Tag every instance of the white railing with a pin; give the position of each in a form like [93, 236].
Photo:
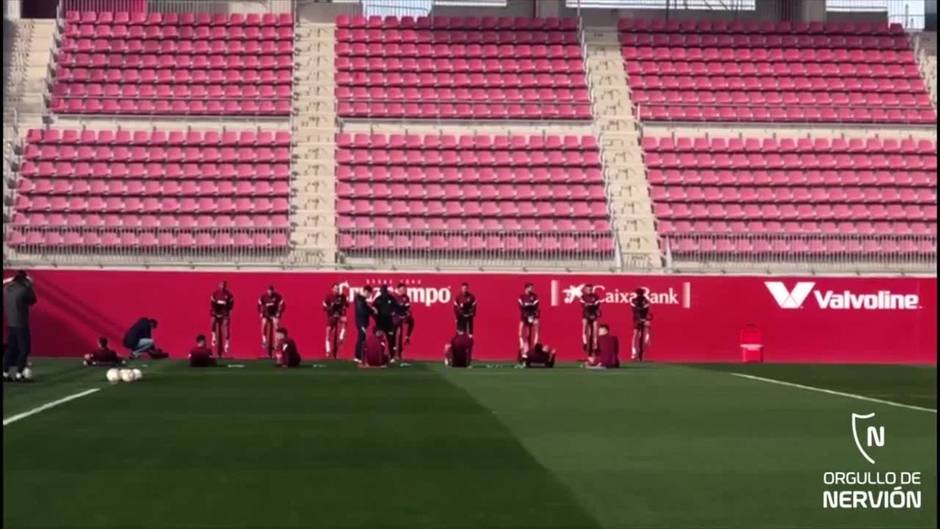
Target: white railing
[177, 6]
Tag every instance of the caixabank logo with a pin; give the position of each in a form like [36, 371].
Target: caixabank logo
[563, 293]
[795, 297]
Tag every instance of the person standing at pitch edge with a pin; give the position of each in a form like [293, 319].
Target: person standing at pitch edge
[386, 307]
[364, 311]
[18, 297]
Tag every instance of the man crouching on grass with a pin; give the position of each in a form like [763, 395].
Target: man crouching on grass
[375, 351]
[457, 351]
[103, 356]
[201, 355]
[540, 356]
[286, 354]
[608, 351]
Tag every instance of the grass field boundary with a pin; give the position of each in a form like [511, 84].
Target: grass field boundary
[832, 392]
[46, 406]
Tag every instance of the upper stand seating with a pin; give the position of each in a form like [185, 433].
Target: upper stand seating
[460, 68]
[174, 64]
[720, 71]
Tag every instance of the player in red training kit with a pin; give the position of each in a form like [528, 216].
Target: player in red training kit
[403, 318]
[529, 324]
[642, 315]
[201, 356]
[375, 350]
[271, 307]
[458, 351]
[608, 351]
[335, 306]
[221, 303]
[287, 354]
[541, 355]
[590, 313]
[465, 309]
[103, 356]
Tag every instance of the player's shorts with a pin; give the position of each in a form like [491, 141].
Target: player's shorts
[333, 321]
[590, 317]
[525, 319]
[642, 325]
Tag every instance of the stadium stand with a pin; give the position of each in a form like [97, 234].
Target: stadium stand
[749, 195]
[460, 68]
[153, 189]
[773, 72]
[174, 63]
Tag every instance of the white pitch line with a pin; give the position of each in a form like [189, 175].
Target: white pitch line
[44, 407]
[839, 393]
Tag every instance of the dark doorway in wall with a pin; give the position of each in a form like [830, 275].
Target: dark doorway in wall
[38, 8]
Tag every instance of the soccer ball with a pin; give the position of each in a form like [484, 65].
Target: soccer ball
[27, 374]
[138, 374]
[127, 375]
[113, 376]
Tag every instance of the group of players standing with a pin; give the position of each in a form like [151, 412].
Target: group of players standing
[385, 323]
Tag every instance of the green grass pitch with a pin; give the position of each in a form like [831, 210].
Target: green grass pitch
[421, 446]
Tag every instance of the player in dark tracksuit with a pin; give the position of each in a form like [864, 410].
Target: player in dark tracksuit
[404, 320]
[221, 304]
[386, 307]
[529, 320]
[18, 297]
[642, 314]
[590, 313]
[364, 311]
[271, 307]
[465, 309]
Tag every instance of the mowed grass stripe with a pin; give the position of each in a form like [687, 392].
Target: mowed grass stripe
[676, 447]
[280, 449]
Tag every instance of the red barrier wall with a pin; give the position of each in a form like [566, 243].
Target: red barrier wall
[696, 318]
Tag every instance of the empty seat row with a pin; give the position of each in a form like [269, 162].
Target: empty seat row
[158, 220]
[510, 224]
[457, 23]
[569, 66]
[347, 37]
[159, 138]
[524, 245]
[466, 142]
[794, 211]
[432, 174]
[129, 47]
[777, 83]
[822, 56]
[170, 171]
[639, 25]
[166, 91]
[472, 208]
[156, 154]
[668, 227]
[748, 247]
[153, 187]
[787, 114]
[171, 60]
[253, 107]
[530, 111]
[757, 41]
[820, 194]
[461, 80]
[546, 158]
[177, 33]
[172, 76]
[783, 69]
[156, 18]
[794, 177]
[143, 240]
[805, 99]
[457, 52]
[819, 145]
[470, 191]
[805, 160]
[149, 204]
[461, 95]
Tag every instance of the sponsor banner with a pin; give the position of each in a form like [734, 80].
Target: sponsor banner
[695, 318]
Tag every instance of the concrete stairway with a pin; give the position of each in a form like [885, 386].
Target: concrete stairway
[622, 158]
[314, 130]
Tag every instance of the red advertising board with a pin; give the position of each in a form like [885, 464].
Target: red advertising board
[695, 318]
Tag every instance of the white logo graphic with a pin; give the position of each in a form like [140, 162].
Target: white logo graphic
[874, 436]
[573, 293]
[789, 299]
[845, 300]
[426, 296]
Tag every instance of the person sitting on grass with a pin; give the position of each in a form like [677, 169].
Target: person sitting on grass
[286, 354]
[457, 351]
[103, 356]
[608, 349]
[139, 339]
[375, 351]
[540, 356]
[201, 355]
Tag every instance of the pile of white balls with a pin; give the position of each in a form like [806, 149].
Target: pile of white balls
[115, 375]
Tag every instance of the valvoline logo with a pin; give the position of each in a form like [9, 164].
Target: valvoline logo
[669, 296]
[795, 298]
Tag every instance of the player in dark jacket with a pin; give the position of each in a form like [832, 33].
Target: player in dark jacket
[221, 304]
[201, 356]
[404, 320]
[18, 297]
[642, 315]
[386, 307]
[465, 309]
[590, 314]
[364, 312]
[139, 339]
